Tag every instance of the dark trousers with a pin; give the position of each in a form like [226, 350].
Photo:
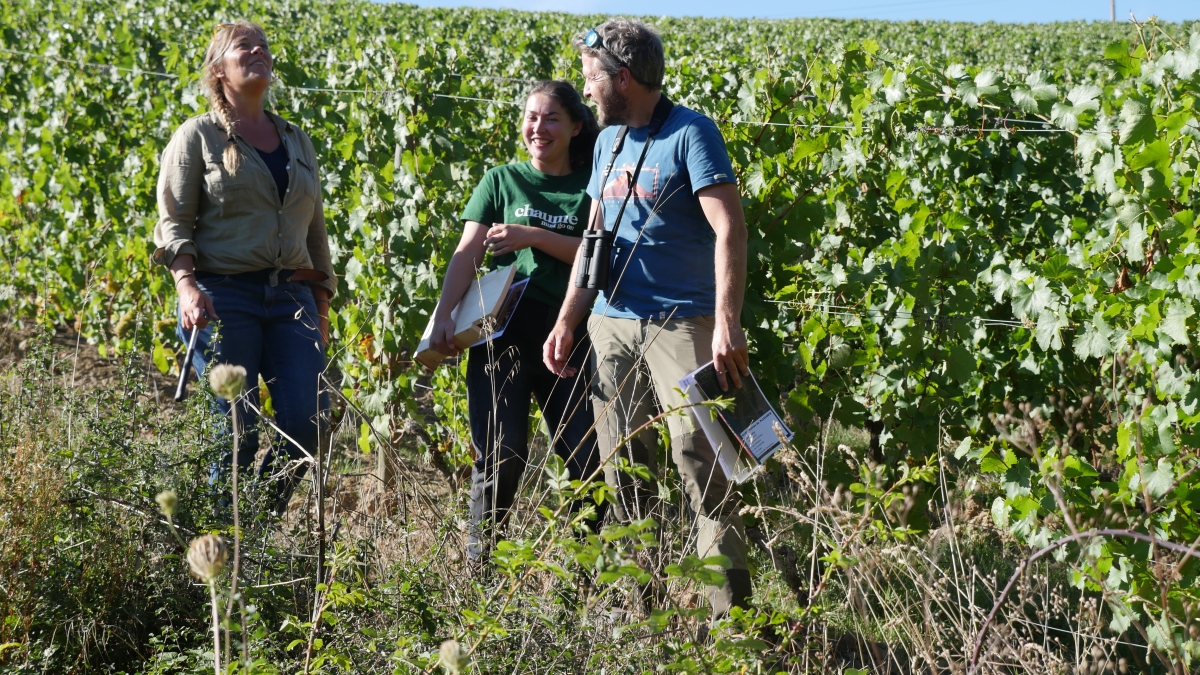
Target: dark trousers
[502, 377]
[268, 330]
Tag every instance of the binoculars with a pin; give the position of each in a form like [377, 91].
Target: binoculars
[596, 259]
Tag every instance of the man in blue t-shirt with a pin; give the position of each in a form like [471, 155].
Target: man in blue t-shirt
[675, 287]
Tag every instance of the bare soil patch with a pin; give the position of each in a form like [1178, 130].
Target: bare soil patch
[79, 363]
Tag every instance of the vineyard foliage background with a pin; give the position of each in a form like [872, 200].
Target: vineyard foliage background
[977, 242]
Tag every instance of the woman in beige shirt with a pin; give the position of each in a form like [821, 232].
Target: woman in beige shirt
[242, 229]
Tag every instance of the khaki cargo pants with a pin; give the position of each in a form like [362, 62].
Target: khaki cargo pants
[634, 362]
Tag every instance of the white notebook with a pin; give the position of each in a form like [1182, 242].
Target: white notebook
[743, 435]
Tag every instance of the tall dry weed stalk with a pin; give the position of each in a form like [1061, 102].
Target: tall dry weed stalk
[229, 382]
[206, 556]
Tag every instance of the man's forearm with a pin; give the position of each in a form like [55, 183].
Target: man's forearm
[576, 306]
[730, 263]
[578, 303]
[722, 207]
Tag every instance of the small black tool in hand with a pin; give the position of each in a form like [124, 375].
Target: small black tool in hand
[181, 388]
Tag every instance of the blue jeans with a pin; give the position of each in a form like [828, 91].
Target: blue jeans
[502, 379]
[270, 331]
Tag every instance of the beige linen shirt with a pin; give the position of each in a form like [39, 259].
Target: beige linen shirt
[236, 223]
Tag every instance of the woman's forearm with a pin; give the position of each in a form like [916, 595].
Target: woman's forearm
[182, 263]
[321, 297]
[183, 267]
[459, 274]
[462, 268]
[561, 246]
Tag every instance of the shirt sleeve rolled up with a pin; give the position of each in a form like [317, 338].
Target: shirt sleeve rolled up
[180, 181]
[318, 236]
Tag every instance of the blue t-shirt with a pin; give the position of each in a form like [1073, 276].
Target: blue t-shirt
[662, 261]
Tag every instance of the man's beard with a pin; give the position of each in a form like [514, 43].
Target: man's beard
[612, 107]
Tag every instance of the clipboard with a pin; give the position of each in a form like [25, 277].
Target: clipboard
[475, 316]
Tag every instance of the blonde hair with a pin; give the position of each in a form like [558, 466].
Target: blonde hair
[214, 88]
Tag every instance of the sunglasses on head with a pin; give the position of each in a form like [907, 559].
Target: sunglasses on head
[593, 40]
[222, 26]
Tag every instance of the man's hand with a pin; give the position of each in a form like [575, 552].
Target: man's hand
[731, 358]
[505, 238]
[195, 307]
[557, 350]
[441, 339]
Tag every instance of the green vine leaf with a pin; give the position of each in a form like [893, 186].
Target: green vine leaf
[1137, 124]
[1094, 343]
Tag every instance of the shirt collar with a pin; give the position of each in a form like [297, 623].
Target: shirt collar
[281, 124]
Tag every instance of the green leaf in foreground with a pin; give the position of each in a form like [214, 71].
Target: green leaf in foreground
[1094, 343]
[1137, 124]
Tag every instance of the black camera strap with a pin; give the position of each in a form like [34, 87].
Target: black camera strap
[659, 117]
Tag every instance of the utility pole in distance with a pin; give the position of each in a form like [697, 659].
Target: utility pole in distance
[1112, 10]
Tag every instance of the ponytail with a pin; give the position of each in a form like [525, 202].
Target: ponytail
[231, 157]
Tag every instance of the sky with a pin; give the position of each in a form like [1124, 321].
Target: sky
[1010, 11]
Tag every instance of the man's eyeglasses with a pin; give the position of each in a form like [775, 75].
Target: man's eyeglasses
[593, 41]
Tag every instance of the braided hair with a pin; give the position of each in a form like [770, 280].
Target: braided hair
[580, 150]
[214, 88]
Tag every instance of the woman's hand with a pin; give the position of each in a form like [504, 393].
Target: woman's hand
[321, 298]
[195, 307]
[442, 337]
[505, 238]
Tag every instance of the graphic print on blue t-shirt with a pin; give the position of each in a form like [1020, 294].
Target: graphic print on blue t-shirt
[647, 184]
[663, 250]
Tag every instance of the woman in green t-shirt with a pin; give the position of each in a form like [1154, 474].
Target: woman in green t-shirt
[531, 215]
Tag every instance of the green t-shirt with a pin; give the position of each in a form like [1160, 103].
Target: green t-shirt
[519, 194]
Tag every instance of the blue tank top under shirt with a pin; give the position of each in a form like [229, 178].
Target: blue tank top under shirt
[277, 164]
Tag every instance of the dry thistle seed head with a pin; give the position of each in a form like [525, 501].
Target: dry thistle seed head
[453, 659]
[206, 556]
[166, 502]
[229, 381]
